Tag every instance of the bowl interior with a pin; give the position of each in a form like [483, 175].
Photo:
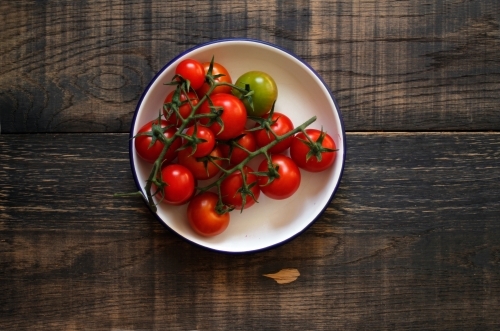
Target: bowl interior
[301, 95]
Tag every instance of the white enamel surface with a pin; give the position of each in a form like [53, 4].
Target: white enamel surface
[301, 95]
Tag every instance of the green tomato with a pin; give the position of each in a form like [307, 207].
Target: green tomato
[265, 92]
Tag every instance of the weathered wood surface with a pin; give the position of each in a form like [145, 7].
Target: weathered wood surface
[78, 66]
[410, 242]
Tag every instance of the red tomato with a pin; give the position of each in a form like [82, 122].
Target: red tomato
[201, 168]
[282, 124]
[150, 153]
[217, 69]
[305, 154]
[180, 184]
[287, 183]
[193, 71]
[232, 186]
[203, 148]
[235, 154]
[184, 110]
[203, 216]
[233, 116]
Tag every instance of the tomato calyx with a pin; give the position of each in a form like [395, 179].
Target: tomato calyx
[265, 123]
[158, 183]
[214, 116]
[184, 84]
[211, 159]
[233, 144]
[316, 148]
[247, 95]
[272, 172]
[160, 186]
[156, 133]
[221, 208]
[246, 191]
[192, 141]
[240, 189]
[210, 78]
[172, 109]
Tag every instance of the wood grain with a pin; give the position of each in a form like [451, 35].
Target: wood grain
[392, 65]
[409, 242]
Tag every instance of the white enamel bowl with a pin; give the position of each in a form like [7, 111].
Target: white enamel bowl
[301, 94]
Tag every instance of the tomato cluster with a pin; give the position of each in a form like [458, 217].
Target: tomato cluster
[208, 131]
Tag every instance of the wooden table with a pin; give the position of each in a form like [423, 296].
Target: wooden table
[411, 241]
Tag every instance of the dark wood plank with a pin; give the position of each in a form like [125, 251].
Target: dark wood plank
[393, 65]
[409, 242]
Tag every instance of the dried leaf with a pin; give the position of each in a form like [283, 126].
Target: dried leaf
[284, 276]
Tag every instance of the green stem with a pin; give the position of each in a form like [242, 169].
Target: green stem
[155, 172]
[262, 150]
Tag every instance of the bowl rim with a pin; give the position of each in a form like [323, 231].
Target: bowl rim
[249, 40]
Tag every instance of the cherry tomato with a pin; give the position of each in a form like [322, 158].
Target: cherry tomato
[232, 185]
[201, 167]
[282, 124]
[193, 71]
[217, 69]
[150, 153]
[203, 148]
[235, 154]
[180, 184]
[287, 183]
[233, 116]
[264, 88]
[305, 158]
[184, 110]
[203, 216]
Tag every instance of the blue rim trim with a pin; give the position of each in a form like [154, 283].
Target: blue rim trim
[339, 113]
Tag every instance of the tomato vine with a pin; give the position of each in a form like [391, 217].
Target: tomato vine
[184, 112]
[181, 87]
